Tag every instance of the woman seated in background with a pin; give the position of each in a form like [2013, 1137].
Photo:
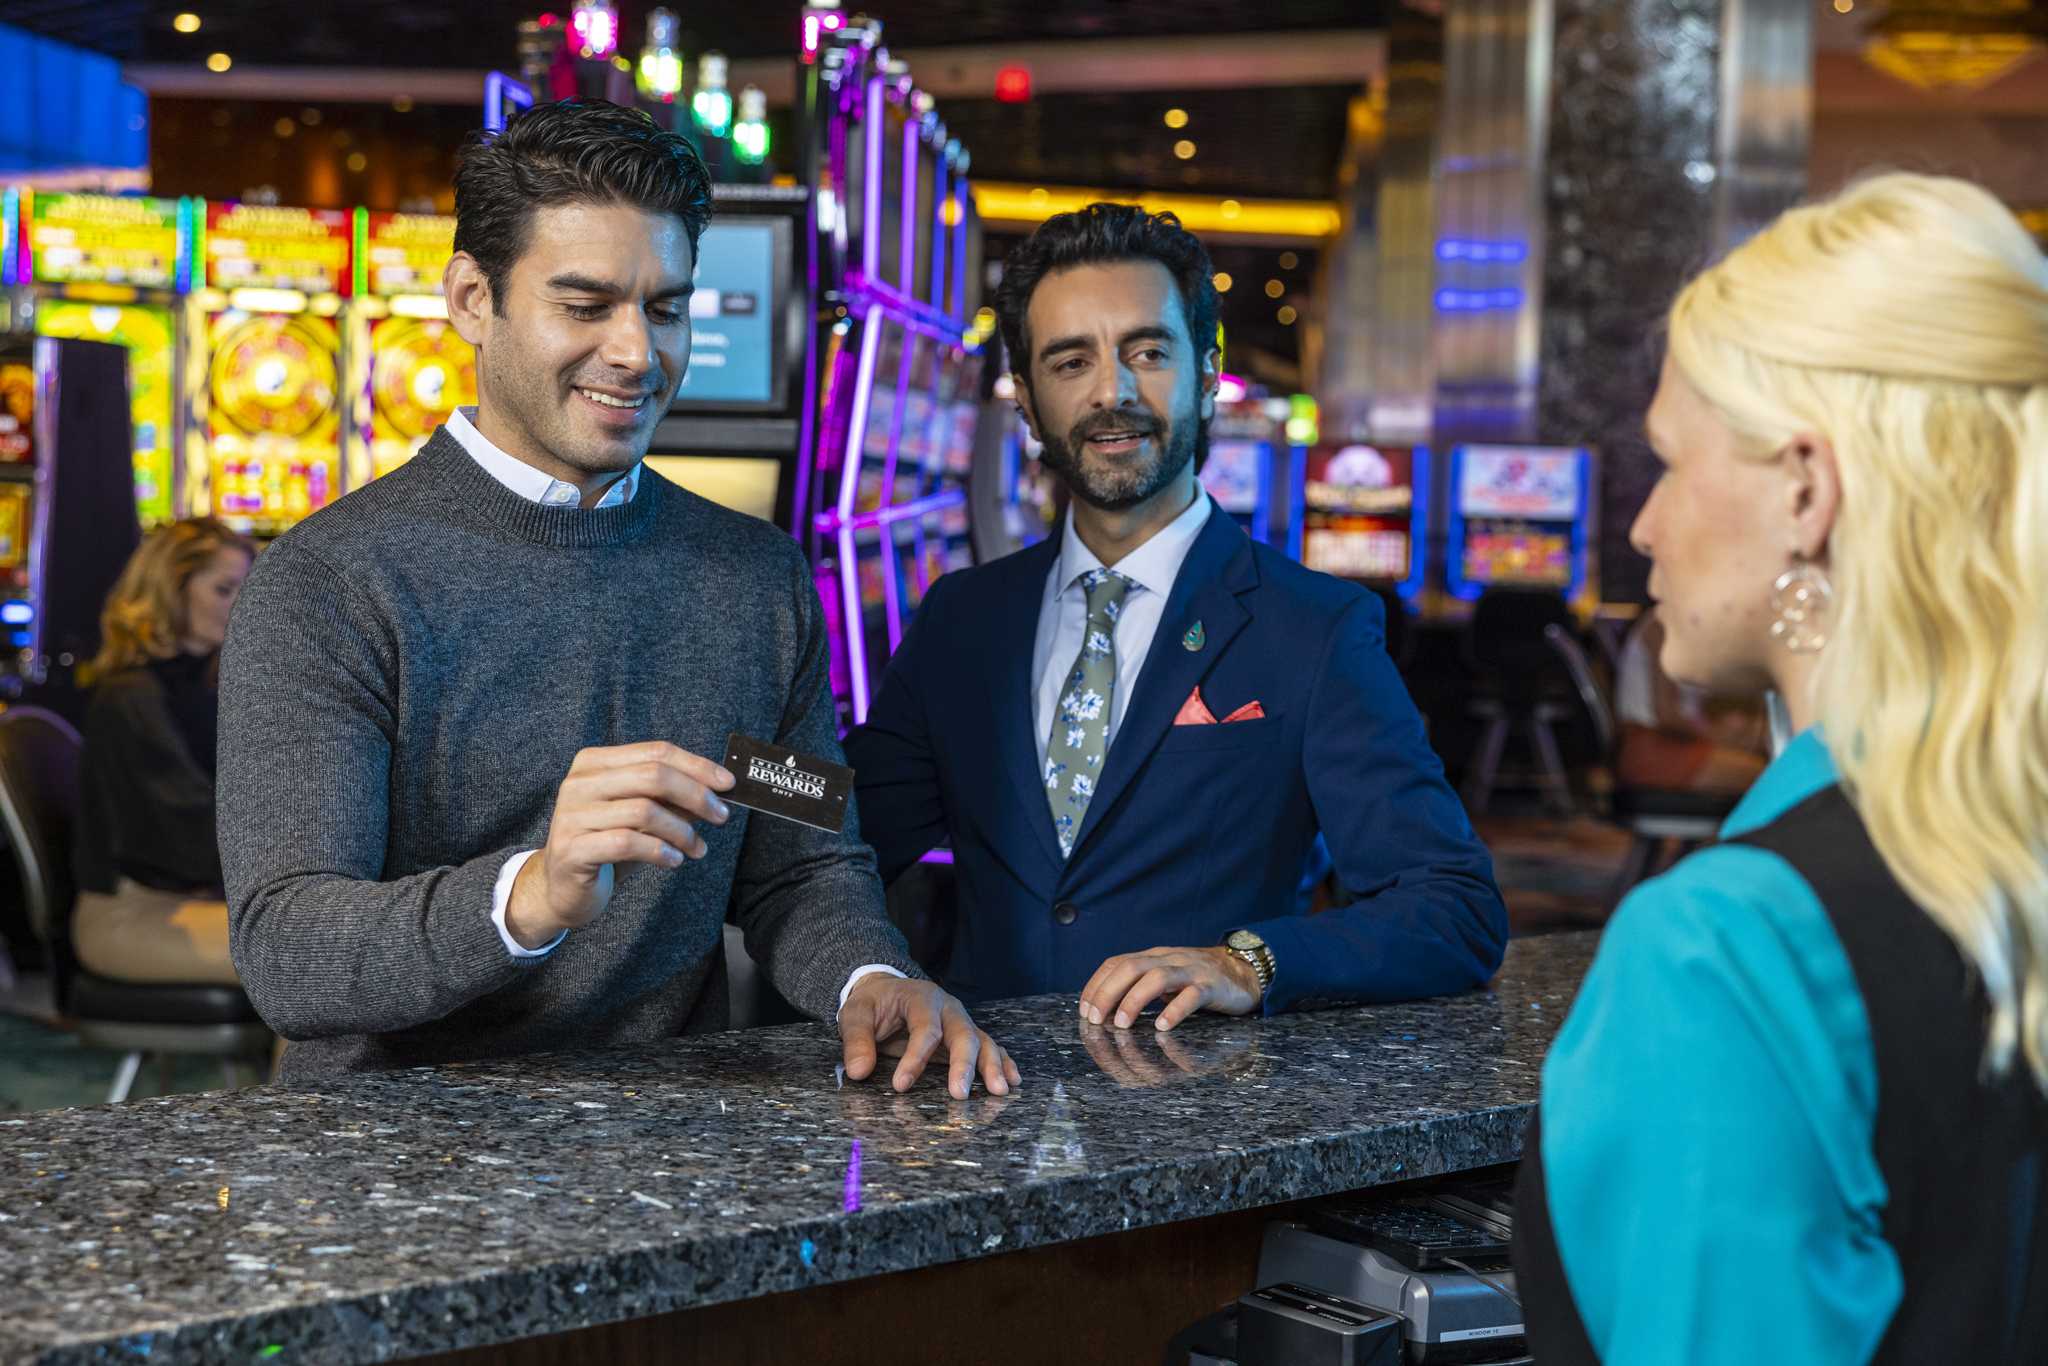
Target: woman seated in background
[1676, 738]
[150, 905]
[1797, 1111]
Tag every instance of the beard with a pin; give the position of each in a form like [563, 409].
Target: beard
[1113, 484]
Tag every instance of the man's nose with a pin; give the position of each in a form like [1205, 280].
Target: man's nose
[1116, 386]
[629, 341]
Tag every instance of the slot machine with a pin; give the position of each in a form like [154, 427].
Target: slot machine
[68, 520]
[109, 268]
[1364, 514]
[1248, 466]
[266, 380]
[411, 368]
[894, 436]
[1523, 516]
[733, 432]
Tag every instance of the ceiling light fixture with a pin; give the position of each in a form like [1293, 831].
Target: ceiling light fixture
[1954, 45]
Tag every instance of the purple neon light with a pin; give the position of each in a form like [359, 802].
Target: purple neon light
[937, 856]
[857, 419]
[894, 609]
[806, 450]
[43, 356]
[915, 314]
[828, 522]
[849, 476]
[871, 246]
[906, 246]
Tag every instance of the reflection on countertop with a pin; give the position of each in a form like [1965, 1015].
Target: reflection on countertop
[447, 1207]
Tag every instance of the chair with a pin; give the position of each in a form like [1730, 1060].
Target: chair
[1504, 645]
[39, 761]
[1652, 816]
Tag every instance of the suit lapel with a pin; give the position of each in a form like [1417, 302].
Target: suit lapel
[1218, 568]
[1010, 630]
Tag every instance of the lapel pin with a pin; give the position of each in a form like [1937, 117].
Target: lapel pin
[1192, 641]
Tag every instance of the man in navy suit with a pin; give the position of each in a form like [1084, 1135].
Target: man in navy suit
[1131, 733]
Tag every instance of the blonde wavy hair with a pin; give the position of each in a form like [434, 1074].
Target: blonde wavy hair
[1906, 319]
[145, 615]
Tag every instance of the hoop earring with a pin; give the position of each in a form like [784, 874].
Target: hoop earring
[1801, 597]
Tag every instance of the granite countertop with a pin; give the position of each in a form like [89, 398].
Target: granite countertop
[438, 1208]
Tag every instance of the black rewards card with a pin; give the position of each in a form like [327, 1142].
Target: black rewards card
[782, 782]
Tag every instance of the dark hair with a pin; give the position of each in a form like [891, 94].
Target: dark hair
[1101, 233]
[578, 151]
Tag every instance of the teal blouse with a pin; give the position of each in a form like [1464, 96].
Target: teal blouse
[1708, 1113]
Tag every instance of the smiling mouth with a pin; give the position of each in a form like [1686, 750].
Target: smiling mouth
[614, 401]
[1117, 439]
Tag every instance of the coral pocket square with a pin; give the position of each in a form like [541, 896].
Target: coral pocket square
[1195, 712]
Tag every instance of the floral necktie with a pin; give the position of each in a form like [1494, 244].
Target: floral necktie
[1080, 726]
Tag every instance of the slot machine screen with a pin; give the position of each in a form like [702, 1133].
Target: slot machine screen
[1510, 552]
[743, 483]
[1519, 481]
[1235, 474]
[1358, 513]
[736, 354]
[1520, 508]
[149, 333]
[17, 410]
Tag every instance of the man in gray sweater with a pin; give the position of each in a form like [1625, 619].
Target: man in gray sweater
[464, 805]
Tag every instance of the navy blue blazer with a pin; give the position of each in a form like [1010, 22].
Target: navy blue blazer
[1194, 830]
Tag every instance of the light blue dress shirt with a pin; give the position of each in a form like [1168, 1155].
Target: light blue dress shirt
[1063, 613]
[1708, 1117]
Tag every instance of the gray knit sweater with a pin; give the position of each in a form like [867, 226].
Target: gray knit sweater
[408, 675]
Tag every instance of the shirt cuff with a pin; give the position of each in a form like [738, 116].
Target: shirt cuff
[501, 897]
[859, 973]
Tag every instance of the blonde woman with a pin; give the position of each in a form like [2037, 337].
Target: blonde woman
[150, 907]
[1796, 1114]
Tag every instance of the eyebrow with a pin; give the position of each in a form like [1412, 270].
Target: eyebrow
[572, 283]
[1081, 343]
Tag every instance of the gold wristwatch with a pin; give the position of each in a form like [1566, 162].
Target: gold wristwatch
[1252, 949]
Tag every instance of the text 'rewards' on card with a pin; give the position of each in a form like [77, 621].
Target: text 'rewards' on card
[787, 783]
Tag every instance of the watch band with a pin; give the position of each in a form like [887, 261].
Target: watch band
[1261, 961]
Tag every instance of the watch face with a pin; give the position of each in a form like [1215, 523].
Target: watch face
[1244, 939]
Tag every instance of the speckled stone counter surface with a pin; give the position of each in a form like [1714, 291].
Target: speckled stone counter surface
[440, 1208]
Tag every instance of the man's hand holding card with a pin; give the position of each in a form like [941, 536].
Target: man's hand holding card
[641, 804]
[618, 804]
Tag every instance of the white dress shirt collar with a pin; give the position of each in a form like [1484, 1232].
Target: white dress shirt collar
[522, 478]
[1153, 566]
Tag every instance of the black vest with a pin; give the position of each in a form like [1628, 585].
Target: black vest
[1965, 1160]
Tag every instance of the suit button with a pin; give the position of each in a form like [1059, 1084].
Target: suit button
[1066, 913]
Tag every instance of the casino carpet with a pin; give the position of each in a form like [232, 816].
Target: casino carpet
[1554, 875]
[43, 1067]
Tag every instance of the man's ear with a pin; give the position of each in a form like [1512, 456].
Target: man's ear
[1212, 378]
[468, 292]
[1025, 408]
